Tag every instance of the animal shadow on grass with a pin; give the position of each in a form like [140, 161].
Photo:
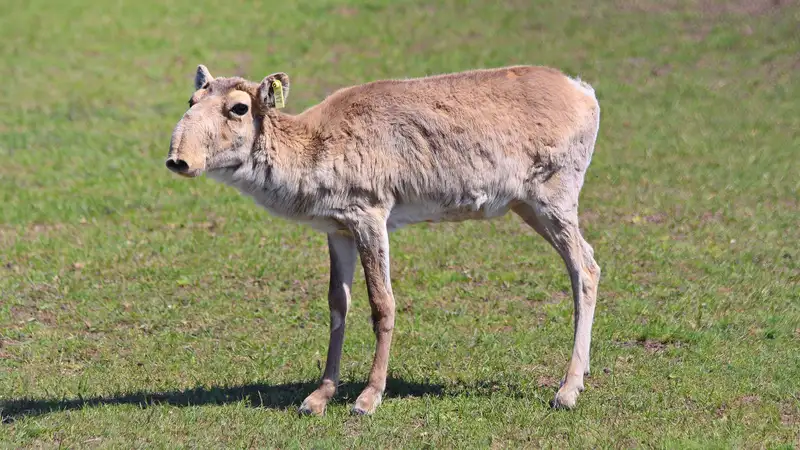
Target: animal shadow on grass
[273, 396]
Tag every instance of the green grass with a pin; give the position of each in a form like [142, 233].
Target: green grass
[139, 309]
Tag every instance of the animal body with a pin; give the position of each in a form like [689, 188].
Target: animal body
[372, 158]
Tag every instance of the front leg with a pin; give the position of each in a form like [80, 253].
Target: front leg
[372, 240]
[343, 263]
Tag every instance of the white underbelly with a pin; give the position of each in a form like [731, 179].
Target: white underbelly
[477, 205]
[408, 214]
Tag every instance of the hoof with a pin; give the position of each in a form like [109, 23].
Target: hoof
[367, 402]
[566, 397]
[303, 411]
[308, 408]
[356, 411]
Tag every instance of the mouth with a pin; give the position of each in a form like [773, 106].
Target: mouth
[190, 173]
[233, 167]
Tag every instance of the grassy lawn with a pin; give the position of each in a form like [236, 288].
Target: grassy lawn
[139, 309]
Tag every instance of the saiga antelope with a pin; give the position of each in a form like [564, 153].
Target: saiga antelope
[372, 158]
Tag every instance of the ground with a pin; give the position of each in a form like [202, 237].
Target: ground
[141, 309]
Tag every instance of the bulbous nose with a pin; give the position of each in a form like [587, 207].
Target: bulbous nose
[177, 165]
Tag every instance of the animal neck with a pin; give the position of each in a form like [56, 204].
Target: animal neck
[280, 155]
[285, 140]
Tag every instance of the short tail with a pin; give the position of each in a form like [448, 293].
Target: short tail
[582, 85]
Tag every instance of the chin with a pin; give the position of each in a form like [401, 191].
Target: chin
[192, 173]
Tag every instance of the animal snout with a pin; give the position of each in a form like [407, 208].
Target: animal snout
[177, 165]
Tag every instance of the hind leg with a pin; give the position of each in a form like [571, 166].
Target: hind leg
[559, 226]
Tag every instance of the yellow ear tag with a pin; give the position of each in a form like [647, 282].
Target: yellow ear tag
[277, 88]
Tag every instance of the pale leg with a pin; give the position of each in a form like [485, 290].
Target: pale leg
[560, 228]
[343, 262]
[372, 240]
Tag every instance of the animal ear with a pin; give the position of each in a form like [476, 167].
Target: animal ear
[202, 77]
[267, 95]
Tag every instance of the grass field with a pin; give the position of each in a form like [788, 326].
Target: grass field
[138, 309]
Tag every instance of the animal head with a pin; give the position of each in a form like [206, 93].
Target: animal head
[221, 125]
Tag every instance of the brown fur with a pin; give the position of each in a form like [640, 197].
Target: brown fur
[375, 157]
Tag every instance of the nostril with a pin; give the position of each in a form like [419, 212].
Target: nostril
[177, 165]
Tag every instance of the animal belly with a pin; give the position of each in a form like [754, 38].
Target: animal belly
[403, 215]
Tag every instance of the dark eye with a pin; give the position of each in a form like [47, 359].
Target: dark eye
[191, 103]
[239, 109]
